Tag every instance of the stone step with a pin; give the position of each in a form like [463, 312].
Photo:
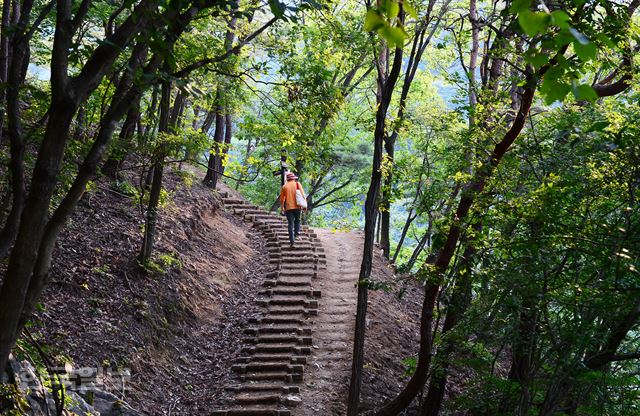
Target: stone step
[274, 310]
[287, 301]
[273, 358]
[282, 376]
[283, 291]
[245, 399]
[276, 348]
[279, 339]
[258, 211]
[264, 387]
[233, 201]
[299, 251]
[279, 319]
[268, 368]
[280, 329]
[304, 269]
[293, 259]
[289, 281]
[298, 259]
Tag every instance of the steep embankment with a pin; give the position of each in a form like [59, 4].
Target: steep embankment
[175, 328]
[179, 329]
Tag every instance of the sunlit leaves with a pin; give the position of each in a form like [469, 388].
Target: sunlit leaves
[533, 23]
[586, 51]
[385, 20]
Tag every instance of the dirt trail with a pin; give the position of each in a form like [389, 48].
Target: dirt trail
[327, 380]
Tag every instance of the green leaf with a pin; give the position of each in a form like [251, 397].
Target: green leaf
[585, 92]
[392, 9]
[277, 8]
[585, 52]
[553, 89]
[598, 126]
[560, 19]
[533, 23]
[537, 59]
[606, 40]
[373, 21]
[408, 7]
[519, 6]
[394, 35]
[564, 37]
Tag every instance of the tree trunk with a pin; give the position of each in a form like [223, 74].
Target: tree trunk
[213, 167]
[433, 273]
[31, 228]
[386, 87]
[20, 54]
[459, 303]
[418, 249]
[4, 60]
[123, 98]
[228, 135]
[156, 184]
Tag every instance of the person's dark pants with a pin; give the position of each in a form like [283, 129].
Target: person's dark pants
[293, 220]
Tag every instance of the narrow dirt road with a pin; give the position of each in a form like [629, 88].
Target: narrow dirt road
[326, 382]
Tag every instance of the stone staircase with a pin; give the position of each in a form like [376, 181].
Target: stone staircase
[271, 369]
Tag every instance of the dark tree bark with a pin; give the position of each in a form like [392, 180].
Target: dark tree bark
[4, 59]
[459, 303]
[20, 53]
[411, 215]
[386, 84]
[446, 253]
[66, 96]
[126, 95]
[208, 121]
[228, 135]
[156, 184]
[421, 41]
[213, 167]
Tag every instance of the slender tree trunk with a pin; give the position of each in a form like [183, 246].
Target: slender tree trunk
[214, 168]
[4, 60]
[461, 297]
[386, 87]
[385, 222]
[208, 121]
[432, 274]
[20, 54]
[211, 178]
[418, 249]
[156, 184]
[124, 97]
[228, 135]
[459, 303]
[403, 235]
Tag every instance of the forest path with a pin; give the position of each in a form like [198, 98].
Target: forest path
[329, 366]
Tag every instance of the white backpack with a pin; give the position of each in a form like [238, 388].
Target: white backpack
[301, 201]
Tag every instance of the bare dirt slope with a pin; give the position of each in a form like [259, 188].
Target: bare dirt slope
[176, 328]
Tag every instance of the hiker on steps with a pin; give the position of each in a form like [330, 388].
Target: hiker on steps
[292, 201]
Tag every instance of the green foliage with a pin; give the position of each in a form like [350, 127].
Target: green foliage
[162, 264]
[387, 21]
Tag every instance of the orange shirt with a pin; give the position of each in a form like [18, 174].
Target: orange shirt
[288, 195]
